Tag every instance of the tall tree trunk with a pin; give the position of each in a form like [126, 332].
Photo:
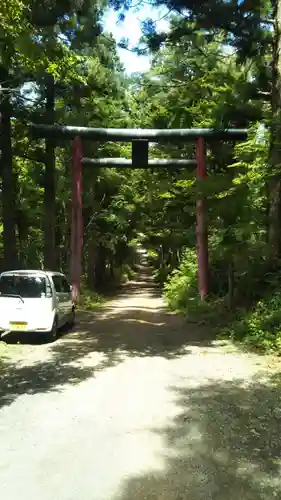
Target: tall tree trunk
[111, 269]
[92, 255]
[100, 268]
[59, 237]
[22, 227]
[8, 180]
[50, 182]
[274, 235]
[62, 237]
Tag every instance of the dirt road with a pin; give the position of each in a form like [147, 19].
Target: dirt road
[136, 405]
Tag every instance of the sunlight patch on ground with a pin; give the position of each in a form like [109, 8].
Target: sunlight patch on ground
[143, 322]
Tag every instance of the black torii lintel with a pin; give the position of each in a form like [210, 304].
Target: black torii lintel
[128, 135]
[126, 163]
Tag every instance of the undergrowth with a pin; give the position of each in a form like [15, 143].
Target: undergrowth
[255, 321]
[90, 300]
[125, 273]
[259, 327]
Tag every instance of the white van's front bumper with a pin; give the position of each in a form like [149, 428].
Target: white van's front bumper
[22, 325]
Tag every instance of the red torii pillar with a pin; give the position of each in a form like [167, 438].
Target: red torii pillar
[77, 226]
[201, 223]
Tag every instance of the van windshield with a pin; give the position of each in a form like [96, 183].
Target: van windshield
[27, 286]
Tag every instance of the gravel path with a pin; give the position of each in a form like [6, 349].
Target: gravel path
[137, 405]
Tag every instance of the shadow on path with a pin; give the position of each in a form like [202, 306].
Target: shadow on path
[224, 444]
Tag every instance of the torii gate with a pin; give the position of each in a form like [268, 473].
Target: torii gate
[140, 139]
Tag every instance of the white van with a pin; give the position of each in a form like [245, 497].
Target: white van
[35, 301]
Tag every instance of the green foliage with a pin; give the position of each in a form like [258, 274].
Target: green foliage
[181, 288]
[259, 327]
[246, 23]
[90, 300]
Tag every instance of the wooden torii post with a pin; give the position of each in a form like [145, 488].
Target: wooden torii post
[140, 139]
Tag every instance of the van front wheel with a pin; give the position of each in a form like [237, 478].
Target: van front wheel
[71, 321]
[52, 334]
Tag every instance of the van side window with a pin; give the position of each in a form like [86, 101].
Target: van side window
[58, 284]
[48, 288]
[65, 285]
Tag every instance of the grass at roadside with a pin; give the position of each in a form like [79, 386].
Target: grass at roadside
[257, 327]
[90, 301]
[260, 326]
[6, 350]
[254, 321]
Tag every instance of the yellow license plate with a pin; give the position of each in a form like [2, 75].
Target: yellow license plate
[18, 326]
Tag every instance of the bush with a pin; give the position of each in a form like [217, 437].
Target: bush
[257, 325]
[89, 300]
[127, 273]
[181, 286]
[181, 293]
[161, 275]
[261, 326]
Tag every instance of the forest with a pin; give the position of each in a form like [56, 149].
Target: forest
[218, 66]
